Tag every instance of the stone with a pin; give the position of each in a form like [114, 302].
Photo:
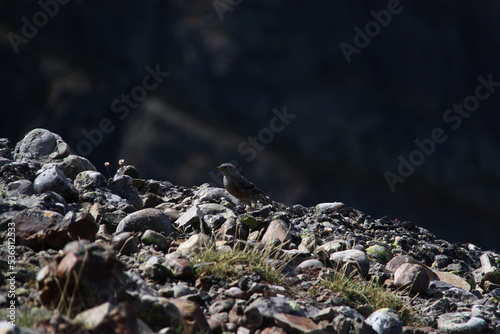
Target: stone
[145, 219]
[397, 261]
[453, 279]
[92, 317]
[385, 321]
[53, 179]
[158, 240]
[89, 268]
[277, 229]
[39, 229]
[125, 243]
[40, 145]
[460, 323]
[73, 165]
[178, 266]
[307, 244]
[412, 277]
[328, 208]
[194, 242]
[123, 186]
[325, 250]
[21, 187]
[378, 253]
[191, 315]
[346, 320]
[273, 330]
[212, 214]
[351, 260]
[89, 181]
[294, 324]
[268, 306]
[224, 305]
[309, 264]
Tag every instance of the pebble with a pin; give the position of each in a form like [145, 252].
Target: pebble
[145, 219]
[385, 321]
[53, 179]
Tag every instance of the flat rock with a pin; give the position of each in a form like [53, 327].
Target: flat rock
[453, 279]
[460, 323]
[146, 219]
[271, 305]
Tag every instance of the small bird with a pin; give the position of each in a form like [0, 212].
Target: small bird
[238, 186]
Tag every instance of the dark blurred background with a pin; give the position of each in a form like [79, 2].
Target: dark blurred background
[69, 66]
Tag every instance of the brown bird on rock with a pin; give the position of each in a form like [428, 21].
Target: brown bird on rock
[238, 186]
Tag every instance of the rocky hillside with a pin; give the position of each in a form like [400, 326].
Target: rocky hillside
[229, 67]
[86, 253]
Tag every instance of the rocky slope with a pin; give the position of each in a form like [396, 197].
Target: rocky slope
[228, 72]
[82, 253]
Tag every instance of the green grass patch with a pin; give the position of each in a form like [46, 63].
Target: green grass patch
[233, 263]
[356, 292]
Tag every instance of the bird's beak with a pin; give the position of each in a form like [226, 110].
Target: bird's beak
[219, 168]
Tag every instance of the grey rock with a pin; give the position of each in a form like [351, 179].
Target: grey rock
[325, 250]
[345, 320]
[351, 260]
[294, 324]
[145, 219]
[41, 146]
[327, 208]
[53, 179]
[125, 243]
[178, 266]
[412, 277]
[7, 328]
[180, 290]
[309, 264]
[219, 306]
[194, 242]
[385, 321]
[21, 187]
[460, 295]
[277, 229]
[461, 323]
[271, 305]
[206, 193]
[73, 165]
[156, 239]
[308, 243]
[212, 214]
[123, 186]
[89, 180]
[397, 261]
